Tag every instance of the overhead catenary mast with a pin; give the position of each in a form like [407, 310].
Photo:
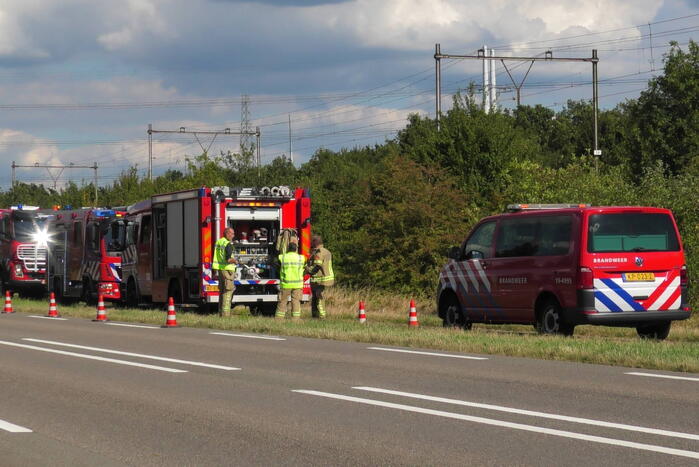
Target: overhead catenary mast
[486, 81]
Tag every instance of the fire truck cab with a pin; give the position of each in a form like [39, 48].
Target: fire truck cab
[23, 250]
[171, 240]
[86, 249]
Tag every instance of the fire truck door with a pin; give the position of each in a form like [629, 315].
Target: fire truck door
[143, 246]
[75, 251]
[58, 265]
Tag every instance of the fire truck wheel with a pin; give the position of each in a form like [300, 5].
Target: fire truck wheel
[131, 298]
[175, 291]
[58, 290]
[550, 321]
[657, 331]
[89, 295]
[264, 309]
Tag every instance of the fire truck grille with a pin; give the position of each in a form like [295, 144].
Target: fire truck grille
[34, 258]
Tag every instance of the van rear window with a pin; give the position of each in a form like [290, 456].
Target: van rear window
[632, 231]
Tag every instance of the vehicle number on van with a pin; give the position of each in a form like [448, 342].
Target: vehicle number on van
[639, 277]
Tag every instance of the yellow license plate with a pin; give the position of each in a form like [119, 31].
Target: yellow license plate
[639, 277]
[212, 288]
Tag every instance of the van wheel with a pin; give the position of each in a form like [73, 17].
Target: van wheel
[454, 316]
[549, 320]
[657, 331]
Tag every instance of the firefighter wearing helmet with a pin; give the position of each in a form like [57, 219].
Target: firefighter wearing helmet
[320, 268]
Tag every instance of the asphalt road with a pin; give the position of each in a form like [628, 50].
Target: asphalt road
[98, 394]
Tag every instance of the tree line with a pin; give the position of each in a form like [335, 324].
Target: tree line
[390, 212]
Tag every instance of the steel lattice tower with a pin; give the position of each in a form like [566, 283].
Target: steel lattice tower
[245, 139]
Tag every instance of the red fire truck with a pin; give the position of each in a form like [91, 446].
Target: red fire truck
[23, 250]
[171, 239]
[86, 247]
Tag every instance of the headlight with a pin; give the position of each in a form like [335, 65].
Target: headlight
[18, 270]
[41, 237]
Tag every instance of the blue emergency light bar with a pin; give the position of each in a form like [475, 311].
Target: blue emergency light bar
[104, 213]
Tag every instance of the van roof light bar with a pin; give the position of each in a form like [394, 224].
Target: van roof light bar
[533, 207]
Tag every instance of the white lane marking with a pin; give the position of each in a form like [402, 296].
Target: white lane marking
[269, 338]
[434, 354]
[132, 325]
[505, 424]
[47, 317]
[499, 408]
[12, 428]
[653, 375]
[94, 357]
[131, 354]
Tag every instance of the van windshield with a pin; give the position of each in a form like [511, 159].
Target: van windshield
[632, 231]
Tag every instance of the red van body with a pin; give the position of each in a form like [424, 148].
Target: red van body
[557, 266]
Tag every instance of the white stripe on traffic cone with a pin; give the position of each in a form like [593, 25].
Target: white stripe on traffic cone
[412, 317]
[8, 303]
[101, 312]
[53, 310]
[362, 313]
[171, 321]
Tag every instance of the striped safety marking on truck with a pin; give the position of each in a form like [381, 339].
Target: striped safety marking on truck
[614, 295]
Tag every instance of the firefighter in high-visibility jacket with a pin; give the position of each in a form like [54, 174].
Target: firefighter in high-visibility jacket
[225, 264]
[320, 268]
[291, 282]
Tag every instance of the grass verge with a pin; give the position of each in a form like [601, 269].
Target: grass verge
[387, 325]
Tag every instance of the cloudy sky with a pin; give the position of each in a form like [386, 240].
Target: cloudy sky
[80, 80]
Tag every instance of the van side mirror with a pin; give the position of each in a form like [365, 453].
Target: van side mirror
[454, 253]
[474, 254]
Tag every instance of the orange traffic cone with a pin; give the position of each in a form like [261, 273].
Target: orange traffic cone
[171, 315]
[412, 317]
[53, 311]
[101, 312]
[362, 313]
[8, 303]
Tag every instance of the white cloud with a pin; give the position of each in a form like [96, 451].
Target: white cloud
[138, 18]
[416, 24]
[14, 40]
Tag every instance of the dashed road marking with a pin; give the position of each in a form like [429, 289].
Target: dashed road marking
[249, 336]
[47, 317]
[12, 428]
[133, 325]
[93, 357]
[654, 375]
[132, 354]
[434, 354]
[506, 424]
[532, 413]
